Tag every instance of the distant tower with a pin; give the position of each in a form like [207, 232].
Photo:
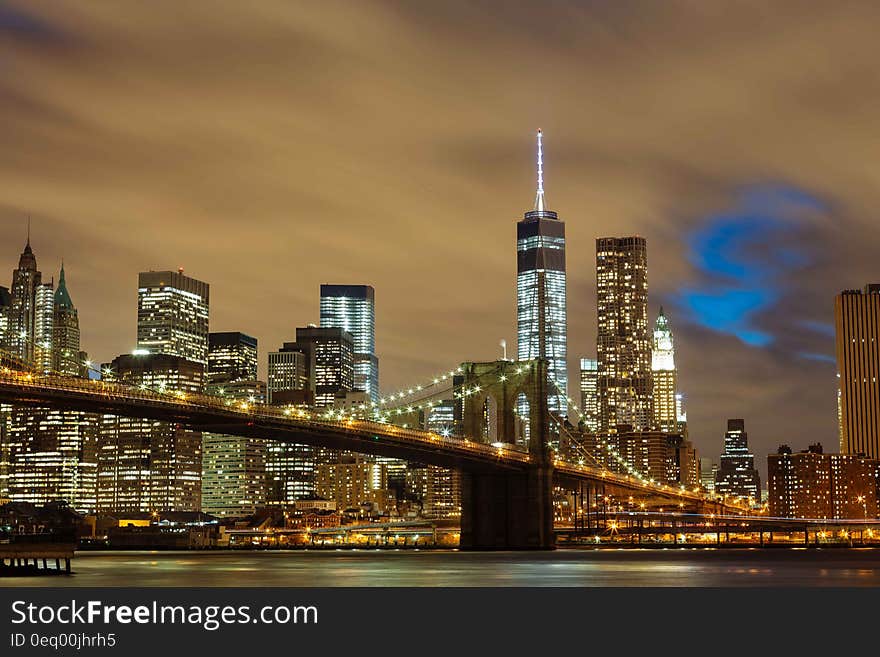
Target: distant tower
[173, 315]
[589, 394]
[540, 291]
[623, 343]
[353, 308]
[857, 326]
[664, 377]
[67, 358]
[737, 476]
[22, 314]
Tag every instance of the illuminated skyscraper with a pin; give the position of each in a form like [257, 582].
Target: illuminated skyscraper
[22, 317]
[857, 324]
[44, 321]
[623, 342]
[737, 476]
[150, 465]
[664, 377]
[353, 308]
[232, 356]
[540, 292]
[67, 357]
[5, 309]
[589, 394]
[173, 315]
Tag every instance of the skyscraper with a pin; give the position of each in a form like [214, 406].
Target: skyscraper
[623, 343]
[541, 292]
[5, 309]
[233, 467]
[664, 377]
[67, 357]
[288, 380]
[232, 356]
[44, 322]
[148, 465]
[737, 476]
[353, 308]
[332, 363]
[173, 315]
[25, 280]
[589, 394]
[857, 326]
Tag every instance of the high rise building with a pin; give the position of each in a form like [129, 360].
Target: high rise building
[811, 484]
[707, 474]
[22, 317]
[173, 315]
[5, 310]
[149, 465]
[857, 326]
[234, 481]
[67, 357]
[541, 292]
[590, 394]
[232, 356]
[330, 358]
[737, 476]
[44, 320]
[52, 455]
[623, 343]
[288, 380]
[353, 308]
[663, 376]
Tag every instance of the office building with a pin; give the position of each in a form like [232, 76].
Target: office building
[737, 476]
[541, 293]
[5, 310]
[590, 394]
[707, 474]
[232, 356]
[353, 481]
[149, 465]
[173, 315]
[812, 484]
[234, 479]
[663, 376]
[353, 309]
[329, 361]
[53, 456]
[857, 328]
[26, 278]
[44, 321]
[288, 381]
[623, 344]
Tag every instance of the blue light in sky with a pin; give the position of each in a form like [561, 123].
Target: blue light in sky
[742, 254]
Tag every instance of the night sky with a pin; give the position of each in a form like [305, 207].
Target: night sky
[269, 147]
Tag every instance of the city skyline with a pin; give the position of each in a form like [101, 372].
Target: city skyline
[489, 172]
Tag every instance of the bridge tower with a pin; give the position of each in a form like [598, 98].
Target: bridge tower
[507, 510]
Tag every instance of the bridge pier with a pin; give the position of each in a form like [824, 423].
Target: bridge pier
[507, 510]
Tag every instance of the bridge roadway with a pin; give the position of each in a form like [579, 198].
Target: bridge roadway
[221, 415]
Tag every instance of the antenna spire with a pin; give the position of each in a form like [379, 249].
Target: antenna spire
[539, 197]
[29, 231]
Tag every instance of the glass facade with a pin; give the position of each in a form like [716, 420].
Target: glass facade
[589, 394]
[173, 315]
[353, 309]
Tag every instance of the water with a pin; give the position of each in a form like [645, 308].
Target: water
[571, 567]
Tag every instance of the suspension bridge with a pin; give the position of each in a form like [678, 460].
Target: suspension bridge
[507, 482]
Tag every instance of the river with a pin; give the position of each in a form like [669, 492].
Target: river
[569, 567]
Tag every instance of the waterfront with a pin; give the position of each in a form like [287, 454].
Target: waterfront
[575, 567]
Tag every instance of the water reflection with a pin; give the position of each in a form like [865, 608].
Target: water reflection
[838, 567]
